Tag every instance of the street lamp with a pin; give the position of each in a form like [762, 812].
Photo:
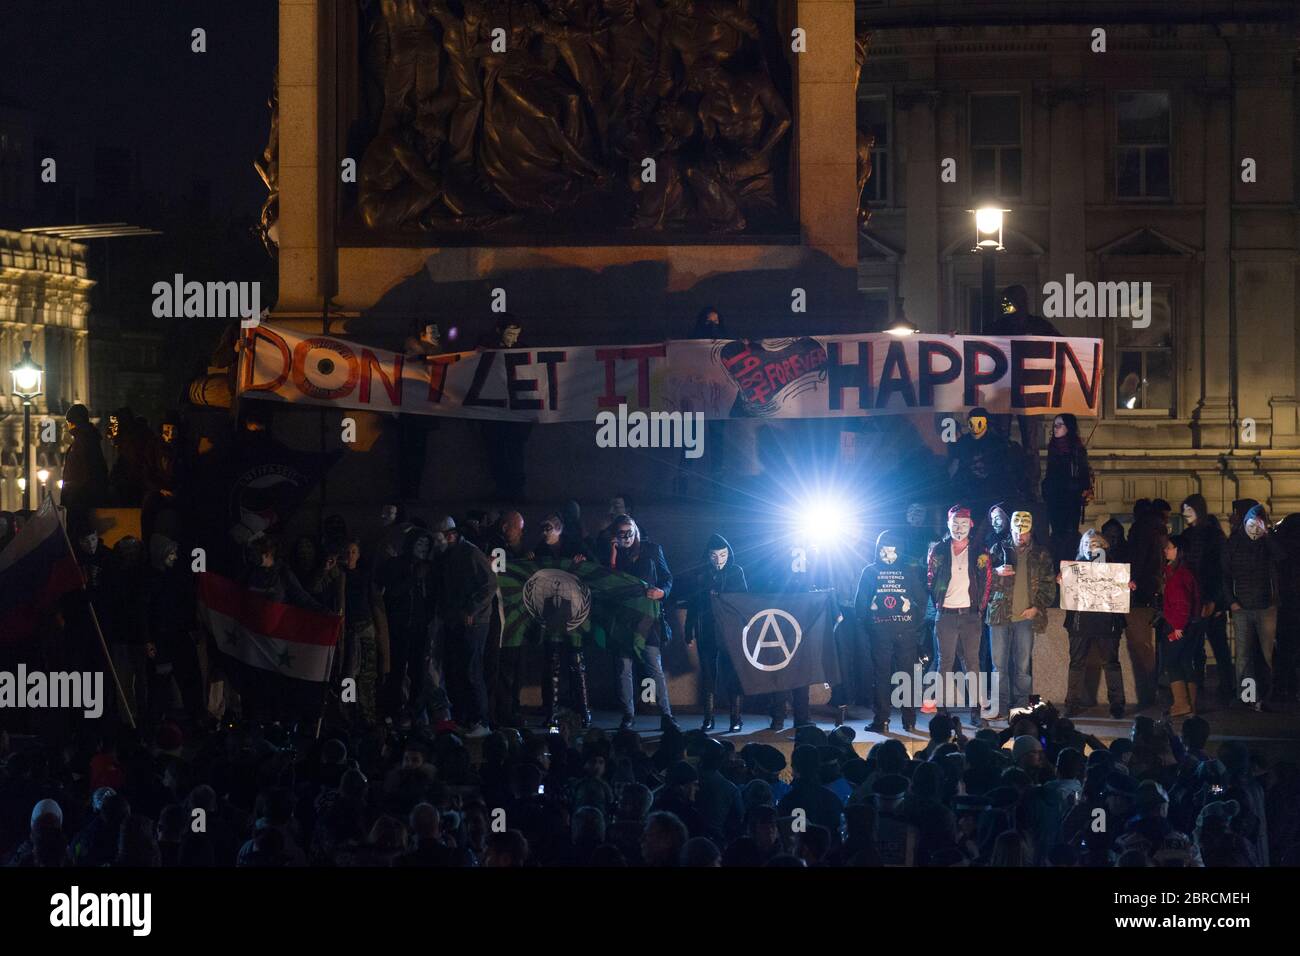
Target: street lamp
[43, 476]
[988, 242]
[28, 378]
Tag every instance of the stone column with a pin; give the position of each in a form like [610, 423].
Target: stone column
[1213, 415]
[299, 222]
[826, 124]
[920, 280]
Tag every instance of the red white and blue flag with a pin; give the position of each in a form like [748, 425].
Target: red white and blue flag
[280, 638]
[37, 568]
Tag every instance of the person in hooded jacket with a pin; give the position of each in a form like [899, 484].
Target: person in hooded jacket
[644, 559]
[890, 611]
[1250, 568]
[407, 585]
[721, 575]
[85, 472]
[169, 618]
[1094, 629]
[559, 642]
[1204, 542]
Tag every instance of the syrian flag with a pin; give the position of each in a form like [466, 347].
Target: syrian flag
[37, 568]
[280, 638]
[779, 642]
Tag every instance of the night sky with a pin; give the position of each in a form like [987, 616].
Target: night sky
[122, 74]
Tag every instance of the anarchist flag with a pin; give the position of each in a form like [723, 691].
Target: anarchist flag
[579, 600]
[779, 642]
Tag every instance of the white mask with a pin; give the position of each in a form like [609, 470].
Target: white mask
[421, 548]
[388, 515]
[888, 554]
[915, 516]
[1189, 515]
[1255, 529]
[551, 534]
[719, 558]
[999, 520]
[1022, 523]
[509, 336]
[90, 542]
[959, 528]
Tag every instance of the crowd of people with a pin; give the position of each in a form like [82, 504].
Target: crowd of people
[414, 768]
[1038, 793]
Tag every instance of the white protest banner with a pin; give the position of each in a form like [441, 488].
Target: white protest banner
[1094, 586]
[806, 377]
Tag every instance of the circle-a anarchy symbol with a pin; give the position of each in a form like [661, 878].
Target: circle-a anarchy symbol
[770, 634]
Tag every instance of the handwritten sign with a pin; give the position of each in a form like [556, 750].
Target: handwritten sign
[1091, 586]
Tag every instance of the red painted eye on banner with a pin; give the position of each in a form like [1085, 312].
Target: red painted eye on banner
[324, 368]
[891, 602]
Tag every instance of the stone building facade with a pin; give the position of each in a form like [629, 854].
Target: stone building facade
[45, 299]
[1168, 158]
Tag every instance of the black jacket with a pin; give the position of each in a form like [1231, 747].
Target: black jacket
[890, 597]
[466, 584]
[1203, 547]
[699, 606]
[651, 567]
[1250, 569]
[939, 571]
[85, 472]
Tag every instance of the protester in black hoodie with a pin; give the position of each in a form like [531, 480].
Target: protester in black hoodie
[85, 473]
[890, 610]
[1204, 542]
[721, 575]
[410, 605]
[1250, 562]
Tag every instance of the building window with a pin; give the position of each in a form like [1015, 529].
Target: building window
[873, 120]
[1142, 146]
[1144, 377]
[876, 312]
[996, 152]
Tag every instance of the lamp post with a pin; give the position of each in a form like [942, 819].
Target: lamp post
[28, 377]
[988, 243]
[43, 476]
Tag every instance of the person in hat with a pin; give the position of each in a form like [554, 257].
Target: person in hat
[85, 472]
[1219, 844]
[895, 836]
[718, 799]
[768, 764]
[1151, 833]
[956, 583]
[1251, 560]
[466, 590]
[678, 797]
[807, 794]
[721, 575]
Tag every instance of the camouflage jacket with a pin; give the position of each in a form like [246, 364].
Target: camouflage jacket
[1037, 563]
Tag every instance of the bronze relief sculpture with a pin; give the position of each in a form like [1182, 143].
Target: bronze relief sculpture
[519, 117]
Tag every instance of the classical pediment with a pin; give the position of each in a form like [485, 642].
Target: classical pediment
[1145, 242]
